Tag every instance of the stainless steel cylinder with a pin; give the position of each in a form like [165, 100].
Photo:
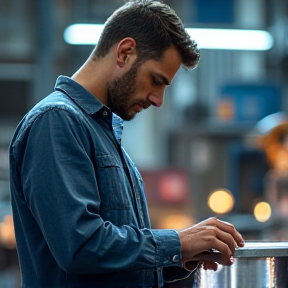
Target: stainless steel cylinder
[257, 265]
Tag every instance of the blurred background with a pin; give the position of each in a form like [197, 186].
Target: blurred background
[217, 147]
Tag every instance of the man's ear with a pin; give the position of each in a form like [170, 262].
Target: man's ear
[126, 49]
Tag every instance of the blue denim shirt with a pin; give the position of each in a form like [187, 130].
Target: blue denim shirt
[79, 207]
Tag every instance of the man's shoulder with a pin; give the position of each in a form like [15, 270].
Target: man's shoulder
[55, 101]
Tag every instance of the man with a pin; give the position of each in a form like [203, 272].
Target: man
[78, 201]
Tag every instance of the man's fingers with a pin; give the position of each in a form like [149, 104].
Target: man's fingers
[214, 238]
[224, 226]
[208, 265]
[210, 234]
[228, 228]
[213, 256]
[225, 238]
[208, 256]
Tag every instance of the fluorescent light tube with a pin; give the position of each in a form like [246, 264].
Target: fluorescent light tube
[232, 39]
[83, 34]
[228, 39]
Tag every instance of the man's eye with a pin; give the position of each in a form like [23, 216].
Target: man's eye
[155, 82]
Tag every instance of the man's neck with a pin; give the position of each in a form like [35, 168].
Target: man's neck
[94, 77]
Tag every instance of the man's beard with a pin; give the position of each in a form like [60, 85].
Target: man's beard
[120, 92]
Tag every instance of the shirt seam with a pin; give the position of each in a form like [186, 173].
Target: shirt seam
[32, 122]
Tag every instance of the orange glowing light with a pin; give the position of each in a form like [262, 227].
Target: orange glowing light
[7, 235]
[221, 201]
[262, 211]
[176, 221]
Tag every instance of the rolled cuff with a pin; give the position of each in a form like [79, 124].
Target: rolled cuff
[168, 248]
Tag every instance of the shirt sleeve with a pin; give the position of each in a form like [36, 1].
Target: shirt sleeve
[60, 188]
[168, 243]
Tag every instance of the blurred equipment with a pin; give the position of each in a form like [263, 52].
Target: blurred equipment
[247, 103]
[167, 186]
[168, 195]
[257, 265]
[247, 167]
[17, 85]
[271, 135]
[209, 11]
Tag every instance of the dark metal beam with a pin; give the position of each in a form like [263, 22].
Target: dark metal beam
[44, 57]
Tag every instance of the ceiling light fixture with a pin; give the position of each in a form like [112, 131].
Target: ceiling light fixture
[227, 39]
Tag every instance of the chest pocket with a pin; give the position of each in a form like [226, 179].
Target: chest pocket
[112, 183]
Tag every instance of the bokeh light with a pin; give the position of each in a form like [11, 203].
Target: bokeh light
[221, 201]
[7, 235]
[176, 221]
[262, 211]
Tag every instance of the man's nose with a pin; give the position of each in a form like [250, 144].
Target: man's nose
[157, 99]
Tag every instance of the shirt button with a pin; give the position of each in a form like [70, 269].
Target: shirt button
[175, 259]
[104, 113]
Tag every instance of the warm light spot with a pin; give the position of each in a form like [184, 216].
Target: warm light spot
[262, 211]
[175, 221]
[7, 236]
[226, 109]
[221, 201]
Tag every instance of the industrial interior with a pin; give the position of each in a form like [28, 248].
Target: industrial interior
[218, 145]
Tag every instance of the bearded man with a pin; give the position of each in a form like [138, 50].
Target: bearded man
[79, 206]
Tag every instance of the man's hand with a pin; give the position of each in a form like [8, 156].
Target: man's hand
[199, 242]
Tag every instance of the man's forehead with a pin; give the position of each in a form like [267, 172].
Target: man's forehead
[168, 65]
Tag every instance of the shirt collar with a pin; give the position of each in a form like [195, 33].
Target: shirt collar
[87, 101]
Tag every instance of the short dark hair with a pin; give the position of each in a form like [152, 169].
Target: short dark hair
[154, 26]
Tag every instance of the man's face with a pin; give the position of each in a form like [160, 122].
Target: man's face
[121, 94]
[143, 85]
